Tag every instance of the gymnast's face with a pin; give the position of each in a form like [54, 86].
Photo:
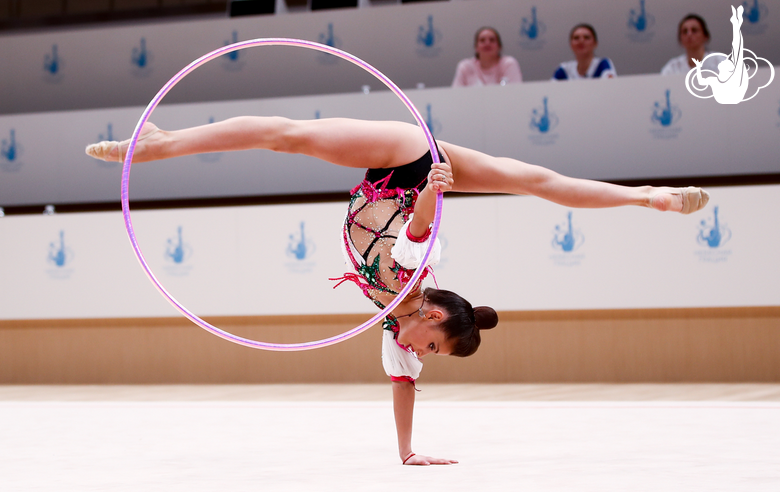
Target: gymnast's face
[424, 336]
[582, 42]
[692, 35]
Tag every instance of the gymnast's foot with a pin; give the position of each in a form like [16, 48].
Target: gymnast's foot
[683, 200]
[116, 151]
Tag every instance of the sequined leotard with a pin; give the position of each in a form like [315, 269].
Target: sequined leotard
[379, 206]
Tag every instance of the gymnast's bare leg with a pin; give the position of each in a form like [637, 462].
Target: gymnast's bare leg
[387, 144]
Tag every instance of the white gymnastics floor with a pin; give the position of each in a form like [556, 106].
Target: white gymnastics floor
[342, 438]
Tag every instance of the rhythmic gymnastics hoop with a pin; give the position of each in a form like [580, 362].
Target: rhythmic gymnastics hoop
[278, 347]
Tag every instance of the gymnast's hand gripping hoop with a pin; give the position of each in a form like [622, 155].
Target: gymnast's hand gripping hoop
[279, 347]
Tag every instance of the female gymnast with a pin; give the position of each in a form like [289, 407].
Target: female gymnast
[388, 222]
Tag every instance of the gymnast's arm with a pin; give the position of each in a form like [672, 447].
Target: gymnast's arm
[403, 408]
[439, 179]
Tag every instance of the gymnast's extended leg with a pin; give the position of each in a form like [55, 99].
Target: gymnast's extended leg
[341, 141]
[475, 172]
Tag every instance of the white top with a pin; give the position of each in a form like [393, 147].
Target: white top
[396, 360]
[679, 64]
[600, 68]
[409, 254]
[470, 72]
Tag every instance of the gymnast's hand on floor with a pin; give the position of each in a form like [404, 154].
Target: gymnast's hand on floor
[427, 460]
[440, 177]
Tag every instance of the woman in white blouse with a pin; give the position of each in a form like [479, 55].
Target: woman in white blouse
[693, 35]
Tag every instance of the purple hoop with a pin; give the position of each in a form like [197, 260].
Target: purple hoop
[279, 347]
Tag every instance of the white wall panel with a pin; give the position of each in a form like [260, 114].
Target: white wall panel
[499, 251]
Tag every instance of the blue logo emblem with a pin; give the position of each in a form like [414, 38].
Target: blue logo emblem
[328, 38]
[542, 123]
[565, 241]
[755, 14]
[59, 255]
[232, 61]
[566, 238]
[52, 66]
[542, 120]
[317, 114]
[640, 24]
[300, 248]
[531, 32]
[141, 60]
[434, 125]
[713, 234]
[428, 39]
[9, 153]
[177, 255]
[176, 250]
[665, 114]
[665, 117]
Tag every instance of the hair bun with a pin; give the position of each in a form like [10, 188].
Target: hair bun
[485, 317]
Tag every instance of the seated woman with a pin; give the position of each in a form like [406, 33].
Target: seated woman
[583, 41]
[693, 35]
[489, 66]
[390, 212]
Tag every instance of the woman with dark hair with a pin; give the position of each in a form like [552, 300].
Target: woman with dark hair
[693, 35]
[387, 226]
[583, 42]
[488, 66]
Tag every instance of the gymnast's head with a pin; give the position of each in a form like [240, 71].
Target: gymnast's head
[447, 325]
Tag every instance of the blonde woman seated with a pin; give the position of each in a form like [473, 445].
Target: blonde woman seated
[488, 66]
